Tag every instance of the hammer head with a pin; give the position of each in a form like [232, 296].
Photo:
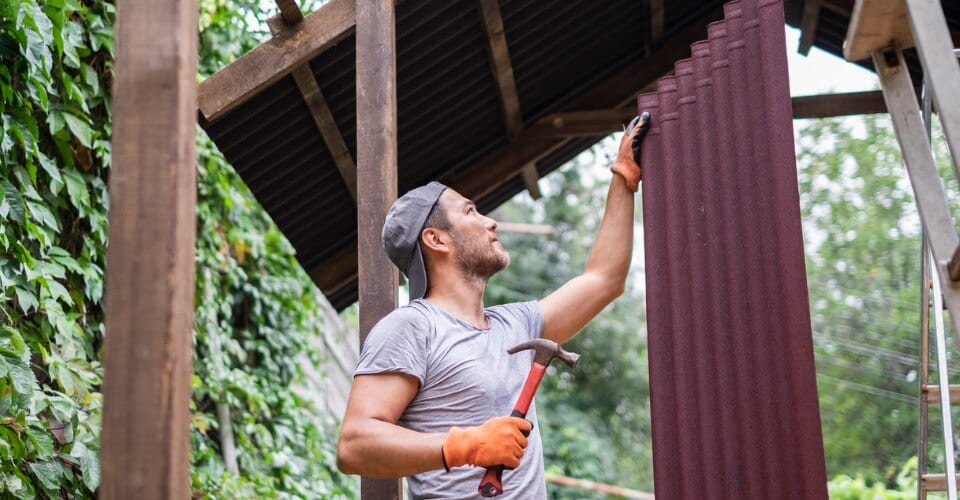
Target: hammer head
[546, 351]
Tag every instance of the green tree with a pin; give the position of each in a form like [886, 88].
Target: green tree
[863, 253]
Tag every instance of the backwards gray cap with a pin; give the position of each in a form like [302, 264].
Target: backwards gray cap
[401, 233]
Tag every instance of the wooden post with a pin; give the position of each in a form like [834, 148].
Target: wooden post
[376, 177]
[150, 256]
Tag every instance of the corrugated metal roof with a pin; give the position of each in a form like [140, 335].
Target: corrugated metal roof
[732, 383]
[449, 111]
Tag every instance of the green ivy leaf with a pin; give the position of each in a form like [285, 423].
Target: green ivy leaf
[27, 300]
[48, 473]
[89, 465]
[23, 379]
[55, 121]
[6, 122]
[49, 166]
[14, 201]
[43, 215]
[72, 38]
[76, 188]
[80, 128]
[41, 441]
[59, 292]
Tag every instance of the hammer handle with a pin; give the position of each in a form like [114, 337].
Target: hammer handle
[492, 483]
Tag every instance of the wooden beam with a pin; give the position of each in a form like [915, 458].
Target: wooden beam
[587, 123]
[289, 11]
[606, 489]
[319, 109]
[150, 255]
[808, 25]
[275, 58]
[323, 118]
[932, 394]
[376, 177]
[845, 104]
[874, 25]
[934, 482]
[656, 21]
[502, 69]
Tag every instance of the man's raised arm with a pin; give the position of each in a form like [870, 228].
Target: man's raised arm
[567, 310]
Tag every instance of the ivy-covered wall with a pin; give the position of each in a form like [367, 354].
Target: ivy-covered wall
[256, 308]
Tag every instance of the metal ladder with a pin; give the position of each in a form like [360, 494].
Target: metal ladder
[878, 27]
[934, 394]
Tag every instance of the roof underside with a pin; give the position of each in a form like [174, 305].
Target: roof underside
[566, 55]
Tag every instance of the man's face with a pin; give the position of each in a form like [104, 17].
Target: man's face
[478, 251]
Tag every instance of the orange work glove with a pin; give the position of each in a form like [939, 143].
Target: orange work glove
[499, 441]
[627, 164]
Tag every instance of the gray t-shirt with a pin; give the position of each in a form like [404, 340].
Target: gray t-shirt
[466, 377]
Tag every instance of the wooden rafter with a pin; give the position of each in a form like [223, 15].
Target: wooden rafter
[808, 25]
[289, 11]
[846, 104]
[502, 70]
[656, 21]
[323, 117]
[275, 58]
[319, 109]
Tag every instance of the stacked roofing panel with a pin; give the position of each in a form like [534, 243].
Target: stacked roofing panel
[733, 388]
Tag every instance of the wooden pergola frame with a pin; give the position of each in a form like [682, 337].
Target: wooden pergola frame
[150, 271]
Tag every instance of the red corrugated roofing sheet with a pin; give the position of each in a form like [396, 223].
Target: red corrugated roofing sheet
[733, 388]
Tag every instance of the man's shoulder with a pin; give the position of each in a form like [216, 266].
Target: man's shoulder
[407, 315]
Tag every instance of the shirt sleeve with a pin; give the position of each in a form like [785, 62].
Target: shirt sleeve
[397, 344]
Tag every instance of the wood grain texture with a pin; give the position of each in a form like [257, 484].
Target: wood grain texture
[276, 58]
[876, 24]
[376, 178]
[150, 255]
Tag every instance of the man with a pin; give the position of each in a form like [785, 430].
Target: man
[434, 381]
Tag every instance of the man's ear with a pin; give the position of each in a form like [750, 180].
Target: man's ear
[435, 240]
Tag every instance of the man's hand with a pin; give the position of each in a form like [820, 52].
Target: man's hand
[627, 164]
[499, 441]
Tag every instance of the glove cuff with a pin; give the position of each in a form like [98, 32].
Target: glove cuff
[456, 449]
[630, 172]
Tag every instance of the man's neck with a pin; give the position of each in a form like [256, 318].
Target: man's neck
[463, 299]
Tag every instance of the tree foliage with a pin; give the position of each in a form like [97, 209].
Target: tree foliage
[863, 263]
[255, 311]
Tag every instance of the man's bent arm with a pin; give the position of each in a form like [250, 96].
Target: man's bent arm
[371, 443]
[578, 301]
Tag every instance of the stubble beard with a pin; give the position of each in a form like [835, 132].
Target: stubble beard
[476, 261]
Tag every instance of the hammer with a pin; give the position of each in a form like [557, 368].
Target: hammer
[546, 350]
